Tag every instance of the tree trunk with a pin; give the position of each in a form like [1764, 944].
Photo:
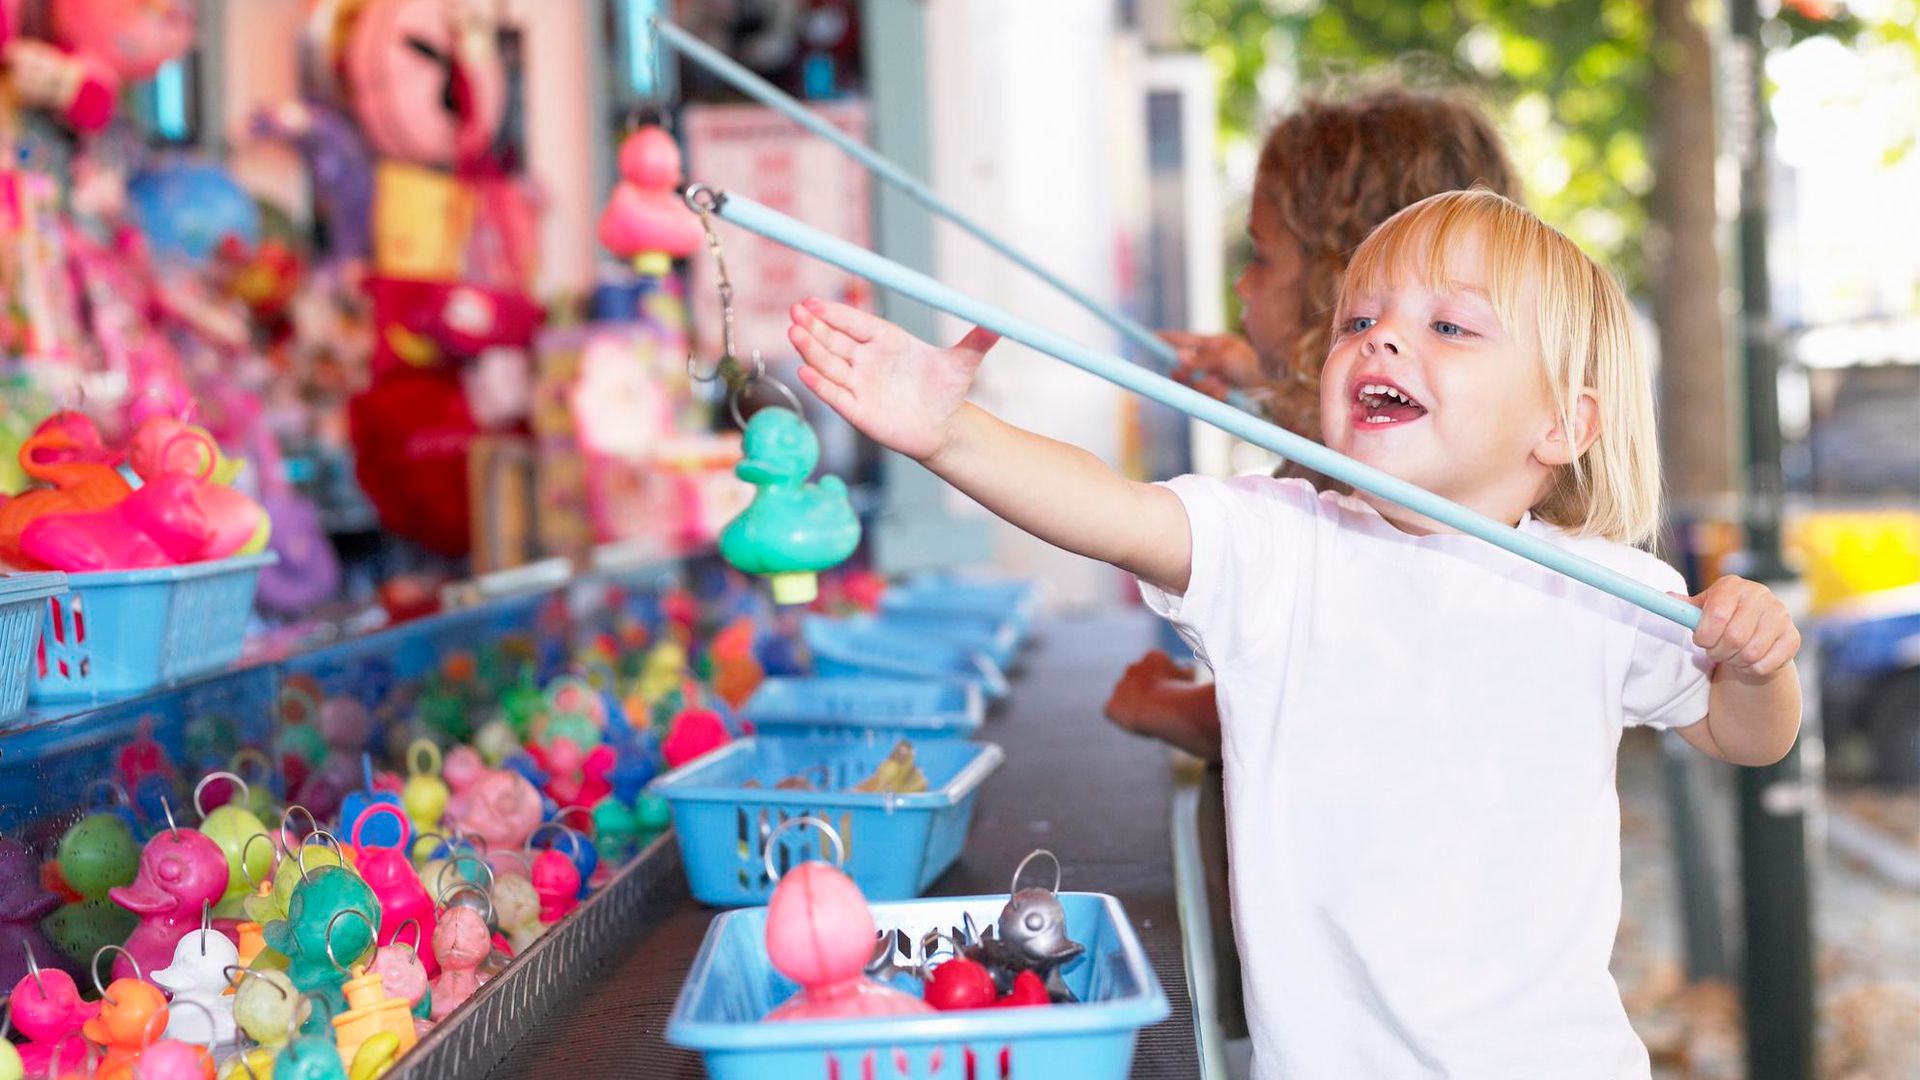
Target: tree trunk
[1696, 436]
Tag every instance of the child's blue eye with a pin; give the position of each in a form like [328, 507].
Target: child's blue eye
[1359, 324]
[1448, 329]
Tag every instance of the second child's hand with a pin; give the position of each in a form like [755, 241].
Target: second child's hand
[892, 387]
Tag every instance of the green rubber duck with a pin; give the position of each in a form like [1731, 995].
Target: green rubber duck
[302, 935]
[792, 530]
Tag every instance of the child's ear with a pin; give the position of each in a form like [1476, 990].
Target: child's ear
[1557, 448]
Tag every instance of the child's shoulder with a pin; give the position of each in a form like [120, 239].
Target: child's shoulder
[1637, 563]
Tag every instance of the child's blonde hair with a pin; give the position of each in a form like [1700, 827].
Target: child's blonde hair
[1587, 342]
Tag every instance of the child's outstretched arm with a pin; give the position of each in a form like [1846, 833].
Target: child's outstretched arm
[1753, 706]
[911, 397]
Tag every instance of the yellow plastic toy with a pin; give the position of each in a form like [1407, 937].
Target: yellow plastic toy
[371, 1012]
[425, 794]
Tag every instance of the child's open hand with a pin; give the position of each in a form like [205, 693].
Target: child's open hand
[894, 388]
[1744, 626]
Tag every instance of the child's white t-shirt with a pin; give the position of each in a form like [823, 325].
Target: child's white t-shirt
[1419, 735]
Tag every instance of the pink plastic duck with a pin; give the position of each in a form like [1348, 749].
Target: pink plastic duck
[557, 880]
[645, 220]
[47, 1009]
[820, 934]
[180, 871]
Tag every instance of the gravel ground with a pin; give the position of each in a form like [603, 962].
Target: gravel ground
[1868, 936]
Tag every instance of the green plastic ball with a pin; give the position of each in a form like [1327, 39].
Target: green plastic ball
[652, 813]
[97, 854]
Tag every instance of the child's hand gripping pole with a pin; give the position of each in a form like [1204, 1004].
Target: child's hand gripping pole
[781, 229]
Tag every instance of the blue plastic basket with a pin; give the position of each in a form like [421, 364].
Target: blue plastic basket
[863, 646]
[959, 594]
[121, 632]
[866, 705]
[896, 844]
[22, 599]
[998, 636]
[732, 985]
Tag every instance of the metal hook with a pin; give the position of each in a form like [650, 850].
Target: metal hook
[408, 921]
[310, 998]
[516, 853]
[308, 839]
[33, 969]
[467, 857]
[1031, 855]
[6, 1018]
[327, 940]
[839, 846]
[458, 887]
[246, 870]
[704, 200]
[93, 969]
[287, 815]
[235, 974]
[206, 924]
[167, 809]
[573, 836]
[113, 787]
[246, 790]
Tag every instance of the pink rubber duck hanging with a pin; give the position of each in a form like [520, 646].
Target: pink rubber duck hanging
[820, 934]
[181, 871]
[47, 1009]
[645, 220]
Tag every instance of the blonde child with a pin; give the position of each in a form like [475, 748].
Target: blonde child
[1419, 729]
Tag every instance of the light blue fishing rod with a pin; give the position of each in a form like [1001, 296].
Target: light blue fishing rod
[774, 98]
[782, 229]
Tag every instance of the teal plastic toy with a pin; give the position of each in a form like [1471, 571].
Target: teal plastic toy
[311, 1057]
[793, 529]
[321, 938]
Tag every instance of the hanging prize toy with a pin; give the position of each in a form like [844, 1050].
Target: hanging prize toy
[1030, 937]
[425, 794]
[231, 826]
[557, 881]
[198, 976]
[47, 1009]
[645, 221]
[820, 934]
[180, 870]
[502, 808]
[381, 832]
[792, 529]
[132, 1014]
[516, 904]
[312, 1056]
[370, 1012]
[387, 872]
[313, 938]
[264, 1005]
[460, 942]
[403, 970]
[579, 851]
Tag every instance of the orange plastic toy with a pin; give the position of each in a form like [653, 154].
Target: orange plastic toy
[59, 454]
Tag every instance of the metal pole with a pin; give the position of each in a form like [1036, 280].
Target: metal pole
[1773, 799]
[782, 229]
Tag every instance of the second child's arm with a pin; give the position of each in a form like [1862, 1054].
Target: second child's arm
[911, 397]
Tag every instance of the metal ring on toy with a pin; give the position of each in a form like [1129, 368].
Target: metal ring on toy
[246, 871]
[458, 887]
[309, 839]
[246, 790]
[172, 825]
[235, 974]
[287, 815]
[33, 969]
[373, 935]
[415, 944]
[839, 845]
[93, 969]
[1031, 855]
[113, 787]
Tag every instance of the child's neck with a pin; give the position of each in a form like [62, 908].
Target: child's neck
[1507, 508]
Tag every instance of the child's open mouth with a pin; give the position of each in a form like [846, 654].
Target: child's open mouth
[1378, 403]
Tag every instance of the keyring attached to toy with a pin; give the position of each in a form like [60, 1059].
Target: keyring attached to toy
[740, 379]
[373, 935]
[1031, 855]
[93, 969]
[311, 838]
[199, 789]
[839, 845]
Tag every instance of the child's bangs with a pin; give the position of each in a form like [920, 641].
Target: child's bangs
[1412, 248]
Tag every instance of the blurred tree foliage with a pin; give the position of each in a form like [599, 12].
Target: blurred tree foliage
[1568, 80]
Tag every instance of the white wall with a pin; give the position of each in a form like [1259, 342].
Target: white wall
[1029, 100]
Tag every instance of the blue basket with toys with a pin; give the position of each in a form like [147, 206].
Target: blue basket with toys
[965, 595]
[120, 632]
[23, 601]
[903, 810]
[863, 646]
[869, 706]
[805, 987]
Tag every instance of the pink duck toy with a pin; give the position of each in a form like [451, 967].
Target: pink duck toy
[501, 807]
[181, 871]
[386, 870]
[820, 934]
[47, 1009]
[461, 943]
[645, 220]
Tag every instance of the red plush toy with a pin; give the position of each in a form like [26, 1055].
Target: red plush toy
[961, 983]
[411, 432]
